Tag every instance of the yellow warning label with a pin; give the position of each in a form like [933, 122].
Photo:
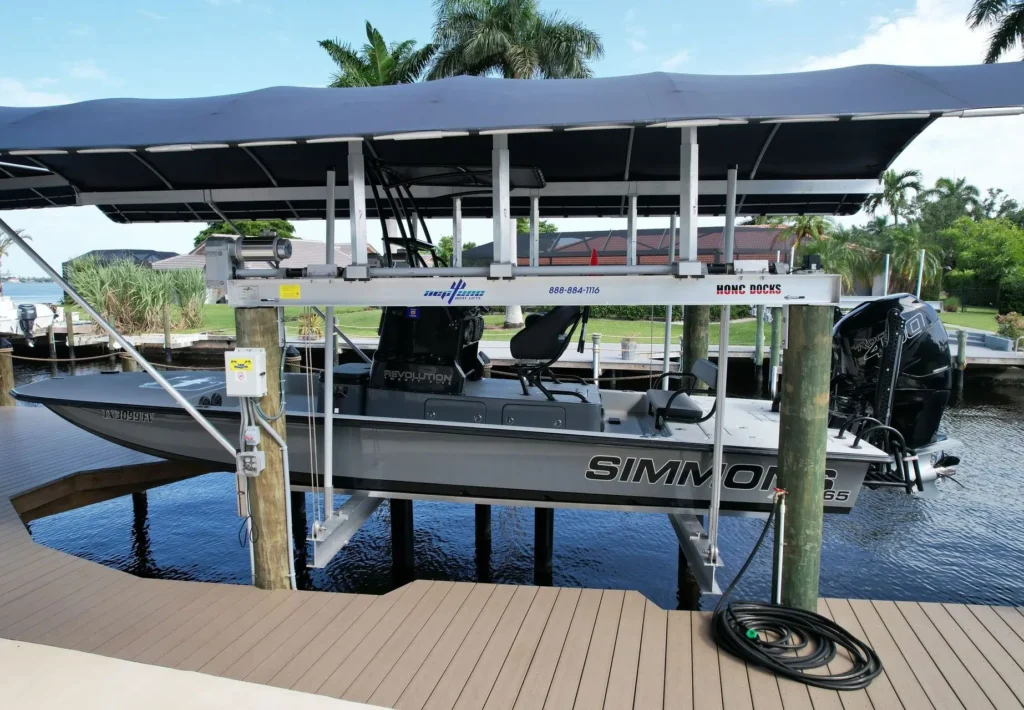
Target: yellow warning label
[290, 291]
[240, 364]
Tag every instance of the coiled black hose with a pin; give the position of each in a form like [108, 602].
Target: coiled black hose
[777, 638]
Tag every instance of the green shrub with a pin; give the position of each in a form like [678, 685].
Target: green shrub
[951, 304]
[1011, 292]
[957, 280]
[1011, 325]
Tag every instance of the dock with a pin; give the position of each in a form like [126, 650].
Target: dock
[428, 644]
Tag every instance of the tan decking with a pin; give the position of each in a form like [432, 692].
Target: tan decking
[437, 644]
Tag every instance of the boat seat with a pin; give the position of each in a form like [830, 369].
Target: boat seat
[546, 336]
[681, 409]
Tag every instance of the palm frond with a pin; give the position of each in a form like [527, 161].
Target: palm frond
[984, 11]
[1008, 34]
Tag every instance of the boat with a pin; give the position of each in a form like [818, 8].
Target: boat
[27, 320]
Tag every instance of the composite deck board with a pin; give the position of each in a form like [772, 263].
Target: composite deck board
[460, 645]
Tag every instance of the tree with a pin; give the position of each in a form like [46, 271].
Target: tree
[377, 63]
[895, 194]
[249, 228]
[992, 248]
[5, 247]
[941, 206]
[958, 192]
[543, 226]
[510, 38]
[903, 244]
[1006, 17]
[842, 255]
[999, 205]
[812, 228]
[446, 248]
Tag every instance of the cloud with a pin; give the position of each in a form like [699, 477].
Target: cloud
[676, 60]
[935, 33]
[17, 93]
[635, 35]
[151, 15]
[87, 70]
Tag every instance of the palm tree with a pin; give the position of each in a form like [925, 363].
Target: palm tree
[957, 192]
[895, 194]
[5, 247]
[842, 255]
[813, 228]
[1007, 18]
[377, 63]
[510, 38]
[904, 244]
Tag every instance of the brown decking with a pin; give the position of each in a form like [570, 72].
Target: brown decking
[436, 644]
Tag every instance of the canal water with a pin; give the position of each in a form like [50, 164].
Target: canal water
[965, 546]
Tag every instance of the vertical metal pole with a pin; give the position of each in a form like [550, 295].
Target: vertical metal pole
[885, 282]
[688, 185]
[779, 557]
[729, 234]
[803, 433]
[357, 202]
[457, 231]
[535, 230]
[69, 321]
[596, 338]
[168, 342]
[128, 347]
[776, 352]
[501, 200]
[717, 454]
[415, 227]
[330, 350]
[792, 257]
[631, 231]
[759, 338]
[51, 340]
[667, 349]
[920, 275]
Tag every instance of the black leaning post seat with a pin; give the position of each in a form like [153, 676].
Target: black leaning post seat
[678, 406]
[541, 343]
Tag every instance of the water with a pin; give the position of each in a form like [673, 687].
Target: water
[963, 547]
[33, 292]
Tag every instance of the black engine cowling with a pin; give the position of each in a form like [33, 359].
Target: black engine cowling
[862, 342]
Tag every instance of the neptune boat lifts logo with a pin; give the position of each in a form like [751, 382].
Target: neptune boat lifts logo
[457, 292]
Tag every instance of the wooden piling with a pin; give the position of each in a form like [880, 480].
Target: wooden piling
[802, 439]
[69, 320]
[696, 324]
[257, 328]
[961, 350]
[775, 355]
[543, 545]
[6, 374]
[403, 558]
[51, 342]
[167, 332]
[128, 363]
[112, 350]
[292, 360]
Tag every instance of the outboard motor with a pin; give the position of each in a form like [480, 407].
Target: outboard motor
[891, 361]
[27, 321]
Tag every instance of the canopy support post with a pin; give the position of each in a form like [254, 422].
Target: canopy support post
[456, 232]
[667, 350]
[501, 266]
[330, 351]
[534, 230]
[631, 229]
[920, 274]
[688, 185]
[729, 235]
[357, 207]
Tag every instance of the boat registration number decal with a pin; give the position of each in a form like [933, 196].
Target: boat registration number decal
[128, 415]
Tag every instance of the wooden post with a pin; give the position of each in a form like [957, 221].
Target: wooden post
[292, 360]
[775, 357]
[128, 363]
[543, 545]
[483, 542]
[696, 324]
[961, 350]
[257, 328]
[167, 332]
[112, 349]
[70, 321]
[803, 434]
[6, 374]
[51, 341]
[403, 557]
[759, 339]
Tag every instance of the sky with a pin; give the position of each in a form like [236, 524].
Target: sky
[60, 51]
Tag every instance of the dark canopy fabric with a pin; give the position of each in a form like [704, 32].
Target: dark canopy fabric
[835, 149]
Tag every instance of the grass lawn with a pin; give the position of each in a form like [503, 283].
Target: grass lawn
[980, 318]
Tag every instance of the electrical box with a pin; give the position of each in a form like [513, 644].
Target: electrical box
[250, 463]
[246, 372]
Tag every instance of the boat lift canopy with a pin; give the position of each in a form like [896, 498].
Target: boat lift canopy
[813, 142]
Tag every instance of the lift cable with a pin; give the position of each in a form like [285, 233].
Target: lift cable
[790, 642]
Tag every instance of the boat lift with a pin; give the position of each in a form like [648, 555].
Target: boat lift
[37, 163]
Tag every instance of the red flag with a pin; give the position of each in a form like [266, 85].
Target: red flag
[593, 257]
